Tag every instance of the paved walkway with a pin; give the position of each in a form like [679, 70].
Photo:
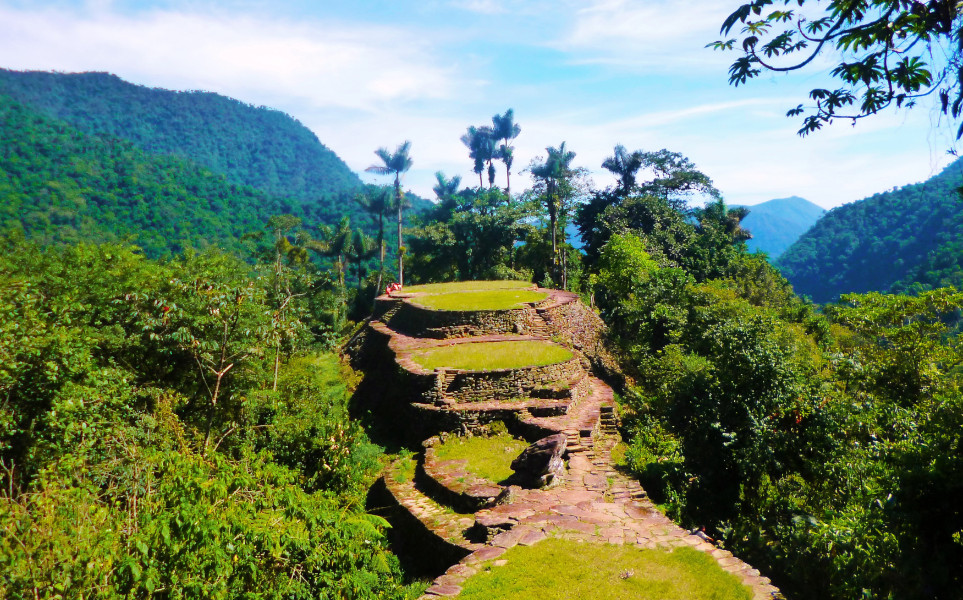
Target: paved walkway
[595, 503]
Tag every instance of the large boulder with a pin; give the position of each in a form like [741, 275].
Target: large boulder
[541, 465]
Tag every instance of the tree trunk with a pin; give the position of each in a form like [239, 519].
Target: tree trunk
[401, 257]
[381, 264]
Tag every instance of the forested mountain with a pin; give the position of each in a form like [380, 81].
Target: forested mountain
[63, 186]
[776, 224]
[254, 146]
[883, 242]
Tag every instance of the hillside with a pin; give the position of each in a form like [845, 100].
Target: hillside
[903, 235]
[254, 146]
[64, 186]
[776, 224]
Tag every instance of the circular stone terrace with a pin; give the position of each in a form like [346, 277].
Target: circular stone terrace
[472, 348]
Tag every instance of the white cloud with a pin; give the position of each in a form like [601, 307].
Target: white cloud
[646, 33]
[485, 7]
[253, 57]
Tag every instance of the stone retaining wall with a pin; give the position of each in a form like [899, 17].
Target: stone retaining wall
[426, 420]
[450, 485]
[427, 552]
[419, 321]
[579, 326]
[507, 384]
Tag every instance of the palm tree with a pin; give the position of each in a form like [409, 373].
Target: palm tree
[505, 129]
[377, 204]
[481, 149]
[624, 165]
[334, 243]
[556, 172]
[361, 247]
[446, 187]
[397, 163]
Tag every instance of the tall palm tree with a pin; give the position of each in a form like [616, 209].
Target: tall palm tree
[395, 163]
[556, 172]
[481, 149]
[624, 165]
[377, 204]
[505, 129]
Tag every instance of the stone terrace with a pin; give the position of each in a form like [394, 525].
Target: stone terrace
[595, 503]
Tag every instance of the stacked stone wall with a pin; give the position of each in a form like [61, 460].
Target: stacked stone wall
[579, 326]
[445, 481]
[409, 535]
[418, 321]
[508, 384]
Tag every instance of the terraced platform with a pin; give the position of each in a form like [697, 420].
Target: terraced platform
[468, 522]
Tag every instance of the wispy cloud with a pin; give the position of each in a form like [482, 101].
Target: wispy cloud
[633, 33]
[485, 7]
[256, 58]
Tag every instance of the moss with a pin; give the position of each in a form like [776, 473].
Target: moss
[479, 300]
[565, 570]
[486, 356]
[460, 286]
[488, 457]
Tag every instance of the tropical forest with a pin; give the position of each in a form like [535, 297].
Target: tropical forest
[233, 367]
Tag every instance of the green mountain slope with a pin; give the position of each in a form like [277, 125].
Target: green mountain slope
[62, 185]
[776, 224]
[260, 147]
[883, 242]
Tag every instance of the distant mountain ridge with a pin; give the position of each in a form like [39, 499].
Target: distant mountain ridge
[255, 146]
[776, 224]
[60, 185]
[896, 240]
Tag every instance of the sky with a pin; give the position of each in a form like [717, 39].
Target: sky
[592, 73]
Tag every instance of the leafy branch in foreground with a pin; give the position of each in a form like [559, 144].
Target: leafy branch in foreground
[891, 52]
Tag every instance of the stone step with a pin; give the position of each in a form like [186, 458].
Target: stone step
[437, 519]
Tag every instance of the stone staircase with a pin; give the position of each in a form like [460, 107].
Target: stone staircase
[594, 502]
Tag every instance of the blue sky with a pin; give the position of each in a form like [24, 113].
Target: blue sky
[593, 73]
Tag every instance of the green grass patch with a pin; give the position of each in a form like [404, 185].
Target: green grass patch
[479, 300]
[462, 286]
[567, 570]
[488, 457]
[404, 467]
[488, 356]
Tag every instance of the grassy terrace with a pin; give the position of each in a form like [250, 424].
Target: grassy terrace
[463, 286]
[488, 457]
[479, 299]
[488, 356]
[567, 570]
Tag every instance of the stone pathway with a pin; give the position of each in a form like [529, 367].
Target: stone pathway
[594, 503]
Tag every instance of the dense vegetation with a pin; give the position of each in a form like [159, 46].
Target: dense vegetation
[173, 427]
[62, 186]
[256, 146]
[165, 429]
[905, 235]
[825, 450]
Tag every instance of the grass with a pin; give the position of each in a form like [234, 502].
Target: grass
[479, 300]
[568, 570]
[488, 457]
[461, 286]
[488, 356]
[404, 467]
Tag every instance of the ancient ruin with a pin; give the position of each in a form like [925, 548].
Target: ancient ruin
[460, 521]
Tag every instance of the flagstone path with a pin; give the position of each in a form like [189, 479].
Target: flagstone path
[594, 503]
